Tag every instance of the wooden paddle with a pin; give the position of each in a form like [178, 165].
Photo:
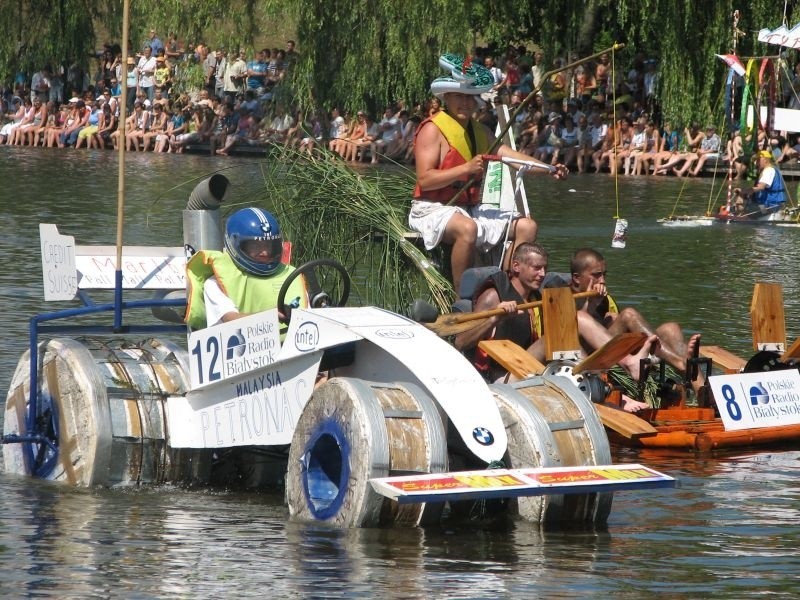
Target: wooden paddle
[624, 423]
[522, 365]
[455, 323]
[610, 353]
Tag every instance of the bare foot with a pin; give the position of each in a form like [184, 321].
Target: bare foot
[632, 406]
[691, 345]
[632, 362]
[691, 349]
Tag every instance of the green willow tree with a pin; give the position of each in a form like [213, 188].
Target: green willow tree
[366, 53]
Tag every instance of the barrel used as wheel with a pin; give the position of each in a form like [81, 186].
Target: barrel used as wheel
[551, 423]
[351, 431]
[101, 417]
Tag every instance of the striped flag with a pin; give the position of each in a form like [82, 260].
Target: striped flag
[733, 62]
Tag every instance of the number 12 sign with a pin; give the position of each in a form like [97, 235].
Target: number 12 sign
[232, 348]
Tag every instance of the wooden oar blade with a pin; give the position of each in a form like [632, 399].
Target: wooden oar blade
[612, 352]
[513, 358]
[624, 423]
[793, 353]
[459, 322]
[447, 327]
[767, 317]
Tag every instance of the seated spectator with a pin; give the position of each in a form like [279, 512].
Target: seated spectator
[311, 133]
[338, 131]
[28, 132]
[52, 131]
[202, 125]
[567, 150]
[77, 121]
[157, 127]
[141, 124]
[641, 164]
[108, 125]
[278, 129]
[92, 126]
[593, 142]
[246, 132]
[356, 131]
[356, 150]
[548, 140]
[388, 143]
[22, 117]
[709, 149]
[692, 137]
[178, 124]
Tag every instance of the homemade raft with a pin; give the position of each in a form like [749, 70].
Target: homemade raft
[708, 427]
[756, 403]
[361, 413]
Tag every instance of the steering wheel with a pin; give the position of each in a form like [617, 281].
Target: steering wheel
[317, 296]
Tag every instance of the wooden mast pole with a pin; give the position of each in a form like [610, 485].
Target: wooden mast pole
[121, 166]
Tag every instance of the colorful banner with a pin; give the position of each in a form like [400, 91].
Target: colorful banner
[497, 483]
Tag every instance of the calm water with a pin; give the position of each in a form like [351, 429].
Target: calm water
[731, 530]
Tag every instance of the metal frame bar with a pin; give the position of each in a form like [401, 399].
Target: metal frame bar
[33, 429]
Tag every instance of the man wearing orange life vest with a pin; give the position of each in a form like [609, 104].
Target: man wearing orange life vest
[449, 152]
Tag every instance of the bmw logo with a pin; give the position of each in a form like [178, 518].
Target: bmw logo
[483, 436]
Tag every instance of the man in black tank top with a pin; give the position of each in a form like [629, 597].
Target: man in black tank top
[508, 290]
[523, 283]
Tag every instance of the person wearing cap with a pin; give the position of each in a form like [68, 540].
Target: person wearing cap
[449, 152]
[132, 82]
[163, 77]
[768, 195]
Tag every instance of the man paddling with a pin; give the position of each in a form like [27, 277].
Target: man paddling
[768, 195]
[449, 154]
[588, 273]
[523, 283]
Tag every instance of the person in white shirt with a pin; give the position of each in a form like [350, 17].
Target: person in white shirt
[146, 70]
[388, 144]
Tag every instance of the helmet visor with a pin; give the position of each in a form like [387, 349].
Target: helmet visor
[263, 251]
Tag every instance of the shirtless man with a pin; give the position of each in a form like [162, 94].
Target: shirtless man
[449, 155]
[588, 272]
[523, 284]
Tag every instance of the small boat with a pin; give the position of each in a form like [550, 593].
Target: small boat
[786, 217]
[737, 417]
[687, 221]
[702, 430]
[714, 427]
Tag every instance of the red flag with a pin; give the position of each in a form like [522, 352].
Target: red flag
[733, 62]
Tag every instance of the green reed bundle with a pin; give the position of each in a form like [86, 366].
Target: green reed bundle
[619, 377]
[358, 218]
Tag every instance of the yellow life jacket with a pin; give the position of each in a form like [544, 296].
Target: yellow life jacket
[249, 293]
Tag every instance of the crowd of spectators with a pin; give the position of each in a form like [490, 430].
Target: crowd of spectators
[592, 117]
